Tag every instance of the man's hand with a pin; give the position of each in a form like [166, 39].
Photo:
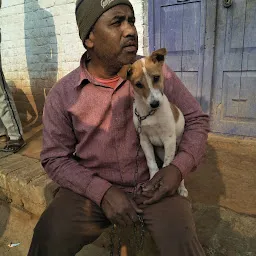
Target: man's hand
[165, 183]
[119, 208]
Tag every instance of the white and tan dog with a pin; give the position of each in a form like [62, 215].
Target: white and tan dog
[158, 122]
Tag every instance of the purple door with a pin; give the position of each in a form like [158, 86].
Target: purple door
[225, 84]
[234, 97]
[180, 26]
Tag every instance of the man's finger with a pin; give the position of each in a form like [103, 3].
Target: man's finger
[118, 221]
[159, 194]
[127, 219]
[133, 216]
[135, 206]
[151, 184]
[149, 193]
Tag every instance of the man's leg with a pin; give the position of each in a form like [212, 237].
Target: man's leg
[2, 129]
[172, 227]
[70, 222]
[8, 111]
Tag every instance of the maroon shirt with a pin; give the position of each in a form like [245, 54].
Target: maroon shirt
[93, 122]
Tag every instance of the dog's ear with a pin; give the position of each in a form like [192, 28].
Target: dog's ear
[125, 72]
[129, 72]
[158, 55]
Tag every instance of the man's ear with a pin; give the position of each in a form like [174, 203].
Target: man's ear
[158, 55]
[125, 72]
[89, 41]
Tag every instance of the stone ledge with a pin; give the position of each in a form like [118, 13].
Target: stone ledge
[24, 183]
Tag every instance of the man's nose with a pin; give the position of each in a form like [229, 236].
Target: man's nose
[129, 30]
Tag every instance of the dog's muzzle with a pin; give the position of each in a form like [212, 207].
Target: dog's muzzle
[154, 104]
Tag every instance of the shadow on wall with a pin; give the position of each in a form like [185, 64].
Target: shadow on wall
[25, 109]
[41, 53]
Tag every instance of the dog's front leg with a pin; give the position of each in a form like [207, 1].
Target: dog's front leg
[148, 149]
[169, 150]
[182, 189]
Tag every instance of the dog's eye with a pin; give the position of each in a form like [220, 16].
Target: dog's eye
[139, 85]
[156, 79]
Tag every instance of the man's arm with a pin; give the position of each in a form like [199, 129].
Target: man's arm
[193, 143]
[59, 144]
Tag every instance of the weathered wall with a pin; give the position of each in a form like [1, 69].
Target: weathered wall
[40, 44]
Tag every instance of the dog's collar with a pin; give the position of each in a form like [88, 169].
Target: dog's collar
[141, 118]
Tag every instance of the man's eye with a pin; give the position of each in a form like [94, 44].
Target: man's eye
[156, 79]
[132, 21]
[118, 22]
[139, 85]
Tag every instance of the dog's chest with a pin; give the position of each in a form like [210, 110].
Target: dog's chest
[157, 127]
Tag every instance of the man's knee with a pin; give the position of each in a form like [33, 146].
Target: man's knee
[70, 221]
[172, 227]
[51, 230]
[180, 219]
[171, 217]
[54, 228]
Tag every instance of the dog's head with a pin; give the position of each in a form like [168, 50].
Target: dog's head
[147, 78]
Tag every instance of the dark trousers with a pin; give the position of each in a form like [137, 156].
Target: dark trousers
[72, 221]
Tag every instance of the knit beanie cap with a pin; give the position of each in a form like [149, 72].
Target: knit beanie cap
[89, 11]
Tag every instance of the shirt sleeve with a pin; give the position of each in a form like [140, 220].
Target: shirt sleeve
[193, 143]
[57, 156]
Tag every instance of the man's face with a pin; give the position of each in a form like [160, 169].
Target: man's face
[114, 38]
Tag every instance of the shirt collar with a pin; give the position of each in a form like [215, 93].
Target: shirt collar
[84, 76]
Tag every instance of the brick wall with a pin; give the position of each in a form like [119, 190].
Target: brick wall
[40, 44]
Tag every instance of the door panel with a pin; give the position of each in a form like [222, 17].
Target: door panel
[234, 104]
[178, 24]
[247, 110]
[231, 87]
[249, 56]
[180, 27]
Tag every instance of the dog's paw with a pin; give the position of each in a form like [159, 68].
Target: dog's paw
[183, 191]
[152, 173]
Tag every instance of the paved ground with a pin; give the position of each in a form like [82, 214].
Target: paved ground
[222, 191]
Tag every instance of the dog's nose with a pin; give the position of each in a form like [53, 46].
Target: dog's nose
[154, 104]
